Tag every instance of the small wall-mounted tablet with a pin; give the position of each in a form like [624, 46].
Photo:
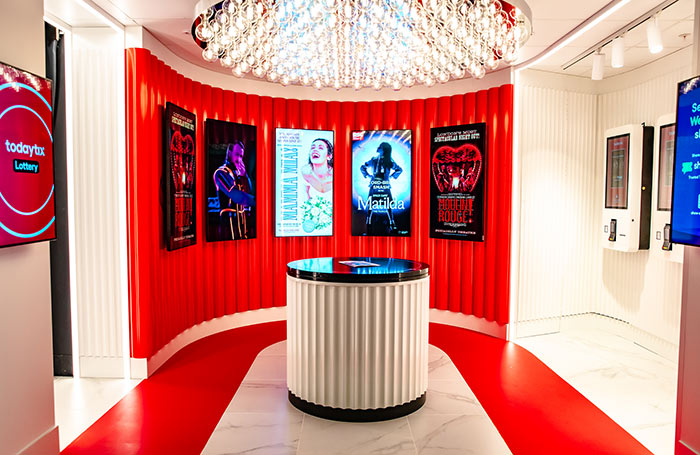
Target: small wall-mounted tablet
[628, 178]
[664, 151]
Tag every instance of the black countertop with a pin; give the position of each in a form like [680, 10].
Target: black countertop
[387, 270]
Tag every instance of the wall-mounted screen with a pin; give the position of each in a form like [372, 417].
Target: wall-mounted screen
[381, 183]
[231, 168]
[457, 175]
[617, 172]
[685, 210]
[667, 148]
[180, 177]
[303, 182]
[27, 210]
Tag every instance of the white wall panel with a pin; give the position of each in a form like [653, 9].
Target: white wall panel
[640, 288]
[563, 268]
[97, 62]
[26, 383]
[558, 248]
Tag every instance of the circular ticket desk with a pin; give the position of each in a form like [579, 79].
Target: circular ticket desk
[357, 337]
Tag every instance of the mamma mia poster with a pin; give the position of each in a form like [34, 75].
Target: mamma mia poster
[381, 183]
[231, 168]
[179, 166]
[457, 171]
[303, 182]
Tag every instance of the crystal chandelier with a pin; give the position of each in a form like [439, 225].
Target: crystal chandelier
[360, 43]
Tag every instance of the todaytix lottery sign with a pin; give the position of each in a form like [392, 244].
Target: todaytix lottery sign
[27, 212]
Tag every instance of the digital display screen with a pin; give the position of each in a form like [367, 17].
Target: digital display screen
[685, 210]
[303, 182]
[27, 210]
[617, 172]
[381, 183]
[180, 181]
[667, 148]
[230, 180]
[457, 184]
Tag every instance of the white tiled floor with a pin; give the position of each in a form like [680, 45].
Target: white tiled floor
[260, 420]
[78, 403]
[632, 385]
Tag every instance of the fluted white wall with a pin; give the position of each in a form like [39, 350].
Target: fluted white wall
[642, 288]
[558, 245]
[563, 270]
[97, 64]
[357, 347]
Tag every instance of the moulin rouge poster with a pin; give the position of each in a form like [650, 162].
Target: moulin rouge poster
[180, 219]
[457, 182]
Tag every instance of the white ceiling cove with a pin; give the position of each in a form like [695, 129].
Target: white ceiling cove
[170, 22]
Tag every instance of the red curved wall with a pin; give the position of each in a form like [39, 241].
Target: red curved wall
[172, 291]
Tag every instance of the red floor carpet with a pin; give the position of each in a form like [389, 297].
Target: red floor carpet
[175, 411]
[535, 410]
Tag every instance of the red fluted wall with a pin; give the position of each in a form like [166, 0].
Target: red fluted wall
[172, 291]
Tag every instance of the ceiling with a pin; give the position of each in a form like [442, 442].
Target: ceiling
[675, 21]
[170, 22]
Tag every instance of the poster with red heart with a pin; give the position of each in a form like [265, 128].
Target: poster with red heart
[457, 182]
[179, 167]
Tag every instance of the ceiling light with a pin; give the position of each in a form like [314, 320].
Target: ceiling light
[618, 52]
[598, 64]
[360, 43]
[656, 44]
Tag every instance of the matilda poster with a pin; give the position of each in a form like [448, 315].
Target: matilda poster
[381, 183]
[180, 157]
[231, 190]
[303, 182]
[457, 182]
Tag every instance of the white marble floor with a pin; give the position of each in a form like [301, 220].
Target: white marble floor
[78, 403]
[632, 385]
[260, 420]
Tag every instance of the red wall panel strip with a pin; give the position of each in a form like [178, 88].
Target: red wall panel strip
[422, 191]
[172, 291]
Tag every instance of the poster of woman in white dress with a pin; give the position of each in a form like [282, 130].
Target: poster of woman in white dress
[303, 182]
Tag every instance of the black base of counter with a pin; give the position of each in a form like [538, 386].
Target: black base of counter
[356, 415]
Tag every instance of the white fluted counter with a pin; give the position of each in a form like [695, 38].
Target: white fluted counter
[357, 338]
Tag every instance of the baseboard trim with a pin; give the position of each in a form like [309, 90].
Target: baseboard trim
[618, 327]
[101, 367]
[468, 321]
[46, 444]
[205, 329]
[139, 368]
[684, 449]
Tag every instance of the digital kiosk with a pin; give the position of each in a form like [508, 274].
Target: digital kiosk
[357, 337]
[664, 151]
[627, 190]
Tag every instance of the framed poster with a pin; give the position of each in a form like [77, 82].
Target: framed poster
[617, 171]
[180, 177]
[381, 183]
[303, 182]
[457, 182]
[231, 184]
[667, 148]
[27, 199]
